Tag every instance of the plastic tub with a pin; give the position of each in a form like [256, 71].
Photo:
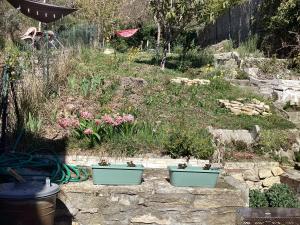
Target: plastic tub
[193, 177]
[30, 203]
[117, 174]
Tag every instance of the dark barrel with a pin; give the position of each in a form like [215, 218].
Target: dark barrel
[30, 203]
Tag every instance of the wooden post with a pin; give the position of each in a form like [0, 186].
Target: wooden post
[40, 23]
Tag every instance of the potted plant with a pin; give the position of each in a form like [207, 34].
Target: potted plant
[117, 174]
[184, 175]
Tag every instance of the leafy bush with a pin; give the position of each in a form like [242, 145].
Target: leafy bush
[274, 140]
[276, 19]
[33, 124]
[249, 47]
[183, 144]
[279, 195]
[258, 199]
[241, 75]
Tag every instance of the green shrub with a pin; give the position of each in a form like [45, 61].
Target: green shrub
[280, 195]
[33, 124]
[274, 140]
[228, 45]
[276, 20]
[241, 75]
[249, 47]
[186, 145]
[258, 199]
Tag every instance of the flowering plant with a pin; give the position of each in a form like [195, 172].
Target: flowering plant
[98, 129]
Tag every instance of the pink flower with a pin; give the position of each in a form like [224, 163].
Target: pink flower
[98, 122]
[64, 123]
[86, 115]
[107, 119]
[128, 118]
[88, 131]
[118, 120]
[75, 123]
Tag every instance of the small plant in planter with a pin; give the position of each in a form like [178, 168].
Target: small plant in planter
[117, 174]
[130, 164]
[104, 163]
[183, 145]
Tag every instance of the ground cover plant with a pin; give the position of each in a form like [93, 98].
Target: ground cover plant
[279, 195]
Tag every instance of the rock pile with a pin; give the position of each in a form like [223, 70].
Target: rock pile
[252, 108]
[260, 179]
[229, 60]
[189, 82]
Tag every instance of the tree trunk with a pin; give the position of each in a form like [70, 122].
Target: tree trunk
[158, 36]
[167, 43]
[165, 52]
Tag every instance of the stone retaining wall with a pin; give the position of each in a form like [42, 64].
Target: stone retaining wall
[155, 202]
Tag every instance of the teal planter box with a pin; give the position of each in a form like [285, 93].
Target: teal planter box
[117, 174]
[193, 177]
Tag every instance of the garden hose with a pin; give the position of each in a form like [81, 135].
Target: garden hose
[57, 171]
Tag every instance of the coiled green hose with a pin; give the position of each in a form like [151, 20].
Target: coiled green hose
[58, 172]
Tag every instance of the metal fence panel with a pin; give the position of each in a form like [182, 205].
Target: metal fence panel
[268, 216]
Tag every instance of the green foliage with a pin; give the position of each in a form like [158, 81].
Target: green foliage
[228, 46]
[102, 13]
[33, 124]
[277, 18]
[257, 199]
[180, 16]
[107, 93]
[280, 195]
[86, 86]
[185, 145]
[250, 48]
[241, 75]
[274, 140]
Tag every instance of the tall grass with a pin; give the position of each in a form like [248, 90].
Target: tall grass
[249, 48]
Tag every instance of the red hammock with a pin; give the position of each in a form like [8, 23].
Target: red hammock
[42, 12]
[127, 33]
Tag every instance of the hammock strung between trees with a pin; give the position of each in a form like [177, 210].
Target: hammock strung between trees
[43, 12]
[127, 33]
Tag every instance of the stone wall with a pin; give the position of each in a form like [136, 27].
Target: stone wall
[155, 202]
